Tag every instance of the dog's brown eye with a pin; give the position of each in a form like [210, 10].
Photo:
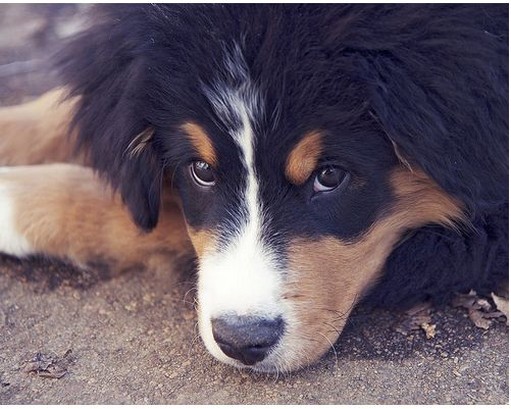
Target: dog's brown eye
[202, 173]
[328, 178]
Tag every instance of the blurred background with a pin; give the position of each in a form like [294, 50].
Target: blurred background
[29, 35]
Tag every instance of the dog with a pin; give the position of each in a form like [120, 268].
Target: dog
[313, 157]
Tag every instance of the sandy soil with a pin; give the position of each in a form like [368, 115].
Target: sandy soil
[71, 336]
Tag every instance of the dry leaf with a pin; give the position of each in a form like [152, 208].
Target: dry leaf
[480, 311]
[429, 330]
[47, 366]
[465, 300]
[502, 305]
[414, 319]
[479, 319]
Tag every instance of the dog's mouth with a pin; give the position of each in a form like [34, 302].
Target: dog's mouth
[261, 344]
[280, 344]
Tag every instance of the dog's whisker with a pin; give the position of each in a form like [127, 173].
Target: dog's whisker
[332, 347]
[337, 331]
[191, 346]
[191, 290]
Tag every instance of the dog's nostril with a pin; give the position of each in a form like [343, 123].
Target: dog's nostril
[247, 339]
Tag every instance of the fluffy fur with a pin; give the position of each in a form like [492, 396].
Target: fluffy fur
[435, 77]
[409, 102]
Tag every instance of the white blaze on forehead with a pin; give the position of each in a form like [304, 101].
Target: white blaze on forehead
[242, 277]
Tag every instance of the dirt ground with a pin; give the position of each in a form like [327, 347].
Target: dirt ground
[71, 336]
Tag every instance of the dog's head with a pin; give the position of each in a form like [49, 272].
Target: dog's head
[302, 141]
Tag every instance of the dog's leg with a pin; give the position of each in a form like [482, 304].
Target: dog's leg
[63, 210]
[37, 131]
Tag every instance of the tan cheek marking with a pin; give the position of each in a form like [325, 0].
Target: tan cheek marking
[303, 159]
[202, 240]
[328, 276]
[420, 201]
[327, 279]
[201, 142]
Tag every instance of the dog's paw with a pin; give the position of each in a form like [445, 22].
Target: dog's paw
[11, 240]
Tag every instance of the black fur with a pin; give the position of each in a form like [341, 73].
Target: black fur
[441, 95]
[433, 79]
[435, 263]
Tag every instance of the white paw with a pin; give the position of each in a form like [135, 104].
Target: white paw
[11, 241]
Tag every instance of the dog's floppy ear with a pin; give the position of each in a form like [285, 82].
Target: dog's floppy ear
[104, 66]
[445, 107]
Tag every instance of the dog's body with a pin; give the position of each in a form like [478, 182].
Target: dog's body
[320, 155]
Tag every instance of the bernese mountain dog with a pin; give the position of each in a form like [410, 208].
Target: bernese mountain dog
[313, 155]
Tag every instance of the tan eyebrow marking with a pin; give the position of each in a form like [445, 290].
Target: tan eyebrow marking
[304, 157]
[201, 142]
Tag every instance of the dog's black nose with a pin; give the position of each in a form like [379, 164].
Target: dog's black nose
[247, 339]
